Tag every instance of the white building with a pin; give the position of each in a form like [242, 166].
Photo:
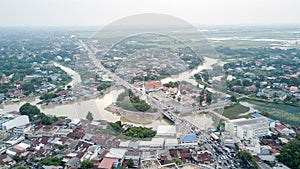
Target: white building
[166, 131]
[157, 143]
[16, 122]
[248, 128]
[171, 143]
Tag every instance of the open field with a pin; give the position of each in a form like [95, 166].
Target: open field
[233, 111]
[279, 111]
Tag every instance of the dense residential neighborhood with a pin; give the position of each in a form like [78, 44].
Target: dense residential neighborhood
[68, 100]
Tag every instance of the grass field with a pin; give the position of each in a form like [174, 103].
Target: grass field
[279, 111]
[233, 111]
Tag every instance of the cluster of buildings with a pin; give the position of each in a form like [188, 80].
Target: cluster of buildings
[257, 135]
[73, 141]
[48, 82]
[270, 82]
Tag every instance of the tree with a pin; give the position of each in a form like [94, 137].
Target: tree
[48, 96]
[177, 161]
[87, 164]
[264, 113]
[290, 155]
[17, 158]
[89, 116]
[245, 156]
[117, 125]
[52, 161]
[233, 98]
[130, 163]
[140, 132]
[29, 110]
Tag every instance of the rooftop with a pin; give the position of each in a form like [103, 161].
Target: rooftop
[251, 123]
[188, 137]
[108, 162]
[257, 115]
[162, 130]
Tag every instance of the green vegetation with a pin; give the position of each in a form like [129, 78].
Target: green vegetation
[103, 86]
[46, 120]
[134, 103]
[117, 125]
[52, 161]
[298, 137]
[89, 116]
[177, 161]
[29, 110]
[140, 132]
[86, 164]
[17, 158]
[34, 114]
[279, 111]
[48, 96]
[233, 111]
[290, 155]
[21, 167]
[247, 157]
[134, 132]
[61, 147]
[233, 98]
[130, 163]
[171, 84]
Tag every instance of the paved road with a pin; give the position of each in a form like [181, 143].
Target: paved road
[221, 155]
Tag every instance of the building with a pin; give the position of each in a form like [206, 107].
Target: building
[108, 163]
[166, 131]
[154, 86]
[16, 122]
[157, 143]
[248, 128]
[271, 121]
[188, 140]
[171, 143]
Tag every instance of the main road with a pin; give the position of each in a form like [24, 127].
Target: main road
[157, 104]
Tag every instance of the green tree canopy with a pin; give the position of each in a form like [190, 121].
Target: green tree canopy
[89, 116]
[29, 110]
[246, 156]
[130, 163]
[177, 161]
[87, 164]
[290, 155]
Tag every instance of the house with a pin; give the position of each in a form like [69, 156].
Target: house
[284, 130]
[108, 163]
[204, 158]
[73, 163]
[250, 89]
[294, 89]
[153, 86]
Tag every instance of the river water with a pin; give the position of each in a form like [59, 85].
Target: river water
[79, 109]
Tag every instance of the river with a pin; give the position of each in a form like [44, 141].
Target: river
[79, 109]
[76, 79]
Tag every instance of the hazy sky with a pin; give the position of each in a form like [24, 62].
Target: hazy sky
[102, 12]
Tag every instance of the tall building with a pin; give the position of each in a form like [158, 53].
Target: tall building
[16, 122]
[248, 128]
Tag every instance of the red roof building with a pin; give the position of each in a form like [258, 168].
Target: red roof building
[151, 86]
[108, 163]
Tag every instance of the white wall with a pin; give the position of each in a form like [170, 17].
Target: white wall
[18, 121]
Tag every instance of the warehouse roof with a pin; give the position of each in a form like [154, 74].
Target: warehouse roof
[166, 130]
[188, 137]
